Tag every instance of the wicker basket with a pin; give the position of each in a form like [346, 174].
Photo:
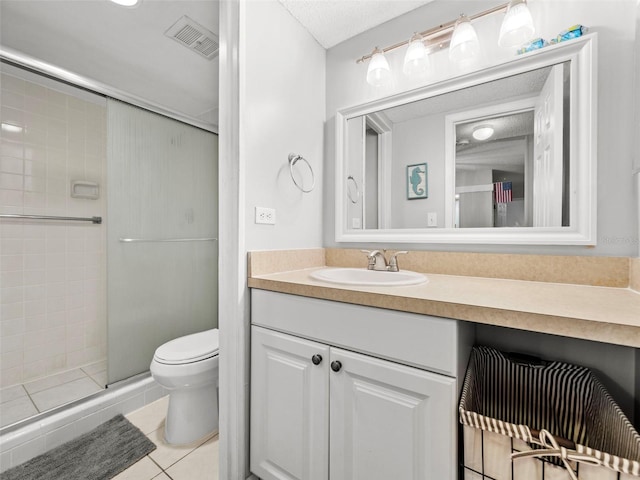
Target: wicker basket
[536, 420]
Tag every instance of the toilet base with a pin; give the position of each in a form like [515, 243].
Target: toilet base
[192, 414]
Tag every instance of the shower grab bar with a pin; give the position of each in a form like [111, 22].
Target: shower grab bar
[49, 217]
[137, 240]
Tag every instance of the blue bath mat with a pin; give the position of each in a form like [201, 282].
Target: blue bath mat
[99, 454]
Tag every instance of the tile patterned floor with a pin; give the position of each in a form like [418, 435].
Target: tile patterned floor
[198, 461]
[22, 401]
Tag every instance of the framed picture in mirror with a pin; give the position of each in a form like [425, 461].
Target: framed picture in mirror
[417, 181]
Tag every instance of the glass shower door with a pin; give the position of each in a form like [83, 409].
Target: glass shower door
[162, 251]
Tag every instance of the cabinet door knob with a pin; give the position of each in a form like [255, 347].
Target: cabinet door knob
[336, 365]
[316, 359]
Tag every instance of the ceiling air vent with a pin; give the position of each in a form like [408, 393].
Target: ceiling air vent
[194, 36]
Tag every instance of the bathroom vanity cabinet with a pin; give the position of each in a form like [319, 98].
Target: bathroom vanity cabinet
[344, 391]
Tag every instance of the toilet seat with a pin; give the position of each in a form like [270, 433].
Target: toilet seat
[188, 349]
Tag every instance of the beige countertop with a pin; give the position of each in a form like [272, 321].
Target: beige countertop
[604, 314]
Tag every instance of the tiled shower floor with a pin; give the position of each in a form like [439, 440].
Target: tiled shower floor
[22, 401]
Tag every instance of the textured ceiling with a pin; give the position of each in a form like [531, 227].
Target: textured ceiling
[334, 21]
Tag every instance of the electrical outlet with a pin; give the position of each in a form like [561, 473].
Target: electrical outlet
[266, 215]
[432, 219]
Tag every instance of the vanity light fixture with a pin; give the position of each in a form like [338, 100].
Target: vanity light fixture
[517, 26]
[378, 73]
[127, 3]
[416, 60]
[459, 35]
[482, 132]
[464, 46]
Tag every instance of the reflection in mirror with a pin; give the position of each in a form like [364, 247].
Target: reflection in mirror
[490, 172]
[511, 159]
[371, 177]
[509, 155]
[514, 176]
[369, 156]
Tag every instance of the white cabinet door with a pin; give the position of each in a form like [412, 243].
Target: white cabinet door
[390, 421]
[289, 407]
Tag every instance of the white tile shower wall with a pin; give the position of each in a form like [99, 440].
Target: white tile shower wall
[52, 274]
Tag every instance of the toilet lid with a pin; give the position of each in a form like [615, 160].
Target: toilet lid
[189, 348]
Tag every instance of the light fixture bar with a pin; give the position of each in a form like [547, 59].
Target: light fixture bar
[440, 34]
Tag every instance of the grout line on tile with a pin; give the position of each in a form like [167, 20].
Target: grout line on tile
[95, 381]
[14, 386]
[167, 474]
[210, 437]
[159, 466]
[196, 444]
[31, 400]
[57, 386]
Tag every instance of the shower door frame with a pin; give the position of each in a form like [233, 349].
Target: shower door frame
[21, 60]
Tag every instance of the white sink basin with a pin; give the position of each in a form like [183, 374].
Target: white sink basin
[362, 276]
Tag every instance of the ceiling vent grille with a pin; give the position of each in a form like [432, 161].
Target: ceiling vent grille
[195, 37]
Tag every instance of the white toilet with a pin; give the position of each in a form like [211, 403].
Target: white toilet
[188, 368]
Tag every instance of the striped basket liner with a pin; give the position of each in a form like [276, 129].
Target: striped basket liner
[519, 400]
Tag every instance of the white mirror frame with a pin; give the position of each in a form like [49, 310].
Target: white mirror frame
[581, 52]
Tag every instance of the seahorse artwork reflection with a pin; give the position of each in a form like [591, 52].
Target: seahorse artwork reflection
[416, 180]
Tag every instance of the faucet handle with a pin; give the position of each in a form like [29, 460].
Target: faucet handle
[377, 260]
[371, 258]
[373, 253]
[393, 262]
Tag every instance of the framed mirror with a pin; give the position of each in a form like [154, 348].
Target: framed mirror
[502, 155]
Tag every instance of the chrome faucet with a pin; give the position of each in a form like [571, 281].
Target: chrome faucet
[378, 261]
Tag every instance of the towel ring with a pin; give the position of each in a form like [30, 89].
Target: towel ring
[350, 177]
[293, 159]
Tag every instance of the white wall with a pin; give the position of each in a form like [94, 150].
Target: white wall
[419, 140]
[282, 105]
[636, 164]
[615, 21]
[272, 103]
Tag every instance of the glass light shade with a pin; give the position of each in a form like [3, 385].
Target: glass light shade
[378, 73]
[416, 60]
[126, 3]
[483, 132]
[464, 46]
[517, 26]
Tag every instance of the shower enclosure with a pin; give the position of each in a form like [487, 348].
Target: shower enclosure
[162, 242]
[84, 304]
